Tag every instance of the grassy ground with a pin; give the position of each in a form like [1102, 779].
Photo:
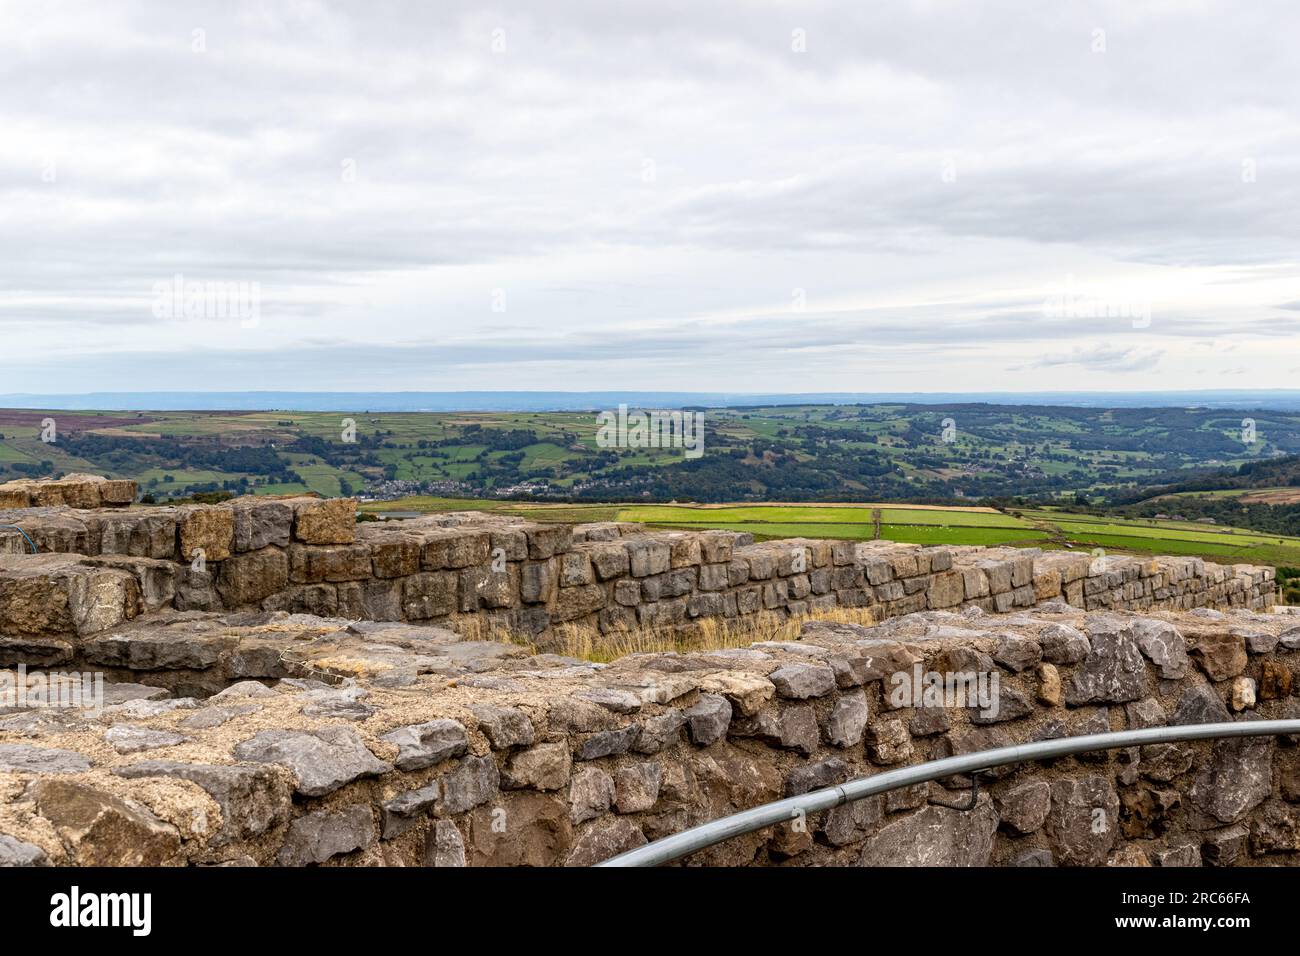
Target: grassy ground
[1147, 536]
[705, 634]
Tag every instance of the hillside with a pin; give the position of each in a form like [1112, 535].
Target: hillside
[1262, 495]
[790, 453]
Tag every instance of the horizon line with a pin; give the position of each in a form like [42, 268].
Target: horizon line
[651, 391]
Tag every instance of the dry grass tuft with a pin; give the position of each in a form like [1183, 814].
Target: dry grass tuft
[706, 634]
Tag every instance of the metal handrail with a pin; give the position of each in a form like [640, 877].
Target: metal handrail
[21, 532]
[677, 845]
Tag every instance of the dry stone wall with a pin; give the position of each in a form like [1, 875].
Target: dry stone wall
[282, 686]
[360, 743]
[76, 491]
[95, 567]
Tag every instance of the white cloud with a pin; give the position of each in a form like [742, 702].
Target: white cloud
[649, 188]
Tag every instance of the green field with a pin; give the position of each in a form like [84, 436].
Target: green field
[913, 525]
[1146, 536]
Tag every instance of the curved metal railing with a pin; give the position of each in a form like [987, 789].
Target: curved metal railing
[780, 811]
[21, 532]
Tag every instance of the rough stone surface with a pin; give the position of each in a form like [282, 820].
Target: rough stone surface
[636, 786]
[1113, 671]
[127, 739]
[1238, 779]
[1164, 647]
[708, 720]
[604, 839]
[801, 681]
[366, 683]
[590, 794]
[423, 745]
[25, 758]
[252, 799]
[934, 836]
[472, 783]
[1220, 655]
[322, 835]
[323, 760]
[445, 846]
[847, 720]
[544, 767]
[1024, 809]
[17, 853]
[504, 726]
[103, 829]
[1083, 822]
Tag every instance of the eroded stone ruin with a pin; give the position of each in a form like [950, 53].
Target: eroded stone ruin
[286, 686]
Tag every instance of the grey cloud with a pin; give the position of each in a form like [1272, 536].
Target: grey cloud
[526, 169]
[1104, 358]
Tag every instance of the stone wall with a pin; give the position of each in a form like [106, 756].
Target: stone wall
[76, 491]
[98, 567]
[281, 689]
[361, 743]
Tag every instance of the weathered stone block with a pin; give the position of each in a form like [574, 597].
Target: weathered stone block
[423, 745]
[946, 589]
[428, 595]
[205, 530]
[101, 829]
[575, 602]
[260, 523]
[543, 767]
[546, 541]
[647, 557]
[325, 520]
[537, 582]
[313, 564]
[322, 760]
[934, 836]
[252, 577]
[395, 556]
[324, 834]
[252, 799]
[1220, 655]
[575, 569]
[1083, 822]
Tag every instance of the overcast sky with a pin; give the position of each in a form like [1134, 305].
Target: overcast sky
[652, 195]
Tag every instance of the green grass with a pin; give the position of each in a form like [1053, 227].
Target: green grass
[798, 514]
[1145, 536]
[956, 518]
[912, 525]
